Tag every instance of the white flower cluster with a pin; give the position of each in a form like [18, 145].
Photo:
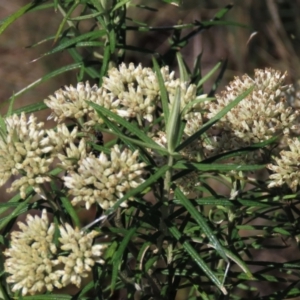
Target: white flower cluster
[30, 259]
[28, 150]
[130, 92]
[33, 261]
[263, 114]
[81, 254]
[104, 179]
[72, 102]
[287, 167]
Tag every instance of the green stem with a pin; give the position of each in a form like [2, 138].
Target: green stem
[165, 200]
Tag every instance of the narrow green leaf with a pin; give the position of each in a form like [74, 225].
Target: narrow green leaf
[282, 231]
[86, 17]
[183, 69]
[150, 262]
[55, 5]
[3, 131]
[196, 75]
[16, 15]
[142, 6]
[105, 64]
[112, 247]
[41, 7]
[174, 122]
[98, 5]
[225, 23]
[121, 121]
[21, 208]
[239, 262]
[242, 151]
[137, 142]
[112, 40]
[208, 167]
[117, 259]
[14, 199]
[31, 108]
[218, 79]
[222, 12]
[65, 19]
[141, 255]
[79, 59]
[71, 211]
[120, 4]
[163, 91]
[86, 288]
[11, 105]
[202, 223]
[49, 38]
[137, 49]
[89, 44]
[48, 76]
[237, 202]
[196, 257]
[198, 100]
[9, 204]
[208, 75]
[67, 43]
[224, 202]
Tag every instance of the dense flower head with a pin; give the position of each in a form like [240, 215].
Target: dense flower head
[286, 170]
[136, 88]
[34, 264]
[103, 179]
[30, 257]
[71, 102]
[80, 254]
[21, 149]
[28, 150]
[128, 91]
[262, 114]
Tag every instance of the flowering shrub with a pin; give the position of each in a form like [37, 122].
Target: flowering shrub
[143, 184]
[125, 169]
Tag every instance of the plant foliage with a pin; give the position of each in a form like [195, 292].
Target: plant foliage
[173, 191]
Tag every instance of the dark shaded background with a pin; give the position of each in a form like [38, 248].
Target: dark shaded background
[277, 43]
